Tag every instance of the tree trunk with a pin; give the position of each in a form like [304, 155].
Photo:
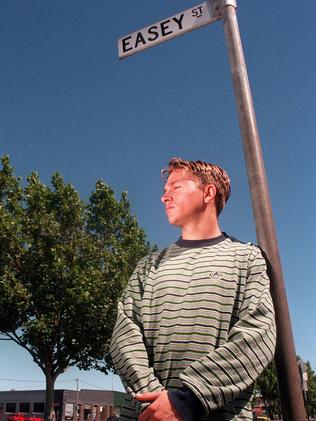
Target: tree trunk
[49, 401]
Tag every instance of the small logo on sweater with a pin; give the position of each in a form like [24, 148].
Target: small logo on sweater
[215, 275]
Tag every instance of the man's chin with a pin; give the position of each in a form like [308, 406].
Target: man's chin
[173, 221]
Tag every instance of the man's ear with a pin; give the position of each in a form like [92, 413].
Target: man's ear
[209, 193]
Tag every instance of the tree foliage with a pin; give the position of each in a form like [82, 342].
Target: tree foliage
[267, 383]
[268, 389]
[311, 392]
[63, 265]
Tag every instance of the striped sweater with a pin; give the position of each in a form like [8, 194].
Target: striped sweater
[197, 314]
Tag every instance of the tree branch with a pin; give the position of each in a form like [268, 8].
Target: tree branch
[15, 338]
[4, 339]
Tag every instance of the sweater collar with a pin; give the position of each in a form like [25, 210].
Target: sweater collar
[201, 243]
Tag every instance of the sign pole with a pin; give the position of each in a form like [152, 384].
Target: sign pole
[287, 368]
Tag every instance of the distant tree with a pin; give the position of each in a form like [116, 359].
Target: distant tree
[311, 392]
[63, 265]
[267, 387]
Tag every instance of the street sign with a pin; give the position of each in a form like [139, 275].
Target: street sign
[166, 29]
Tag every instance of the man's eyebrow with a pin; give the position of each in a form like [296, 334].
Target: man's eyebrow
[170, 184]
[176, 181]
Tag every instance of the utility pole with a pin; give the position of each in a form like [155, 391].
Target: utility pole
[77, 399]
[285, 357]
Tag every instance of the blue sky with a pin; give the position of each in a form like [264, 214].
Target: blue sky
[68, 104]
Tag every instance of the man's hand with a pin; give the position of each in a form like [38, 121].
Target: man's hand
[160, 409]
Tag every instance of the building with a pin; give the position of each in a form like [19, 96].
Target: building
[91, 405]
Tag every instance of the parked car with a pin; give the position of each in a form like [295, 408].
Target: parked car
[263, 417]
[22, 417]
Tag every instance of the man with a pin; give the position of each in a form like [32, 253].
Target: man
[195, 326]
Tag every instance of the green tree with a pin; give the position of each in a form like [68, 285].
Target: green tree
[267, 387]
[63, 265]
[311, 391]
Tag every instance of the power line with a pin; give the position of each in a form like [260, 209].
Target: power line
[57, 381]
[89, 384]
[24, 381]
[36, 381]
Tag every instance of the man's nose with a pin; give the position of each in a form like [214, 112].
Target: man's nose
[165, 198]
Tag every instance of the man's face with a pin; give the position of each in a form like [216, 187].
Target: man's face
[183, 199]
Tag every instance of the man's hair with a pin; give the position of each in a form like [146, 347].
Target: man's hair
[206, 173]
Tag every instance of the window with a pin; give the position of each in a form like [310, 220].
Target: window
[38, 407]
[10, 407]
[24, 407]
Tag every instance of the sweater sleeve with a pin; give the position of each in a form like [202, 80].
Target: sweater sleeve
[127, 347]
[222, 375]
[188, 406]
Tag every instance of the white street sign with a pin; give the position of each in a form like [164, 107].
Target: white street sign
[69, 411]
[166, 29]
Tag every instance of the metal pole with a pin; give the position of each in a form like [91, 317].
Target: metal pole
[288, 374]
[77, 399]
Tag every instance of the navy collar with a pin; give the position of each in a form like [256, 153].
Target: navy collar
[201, 243]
